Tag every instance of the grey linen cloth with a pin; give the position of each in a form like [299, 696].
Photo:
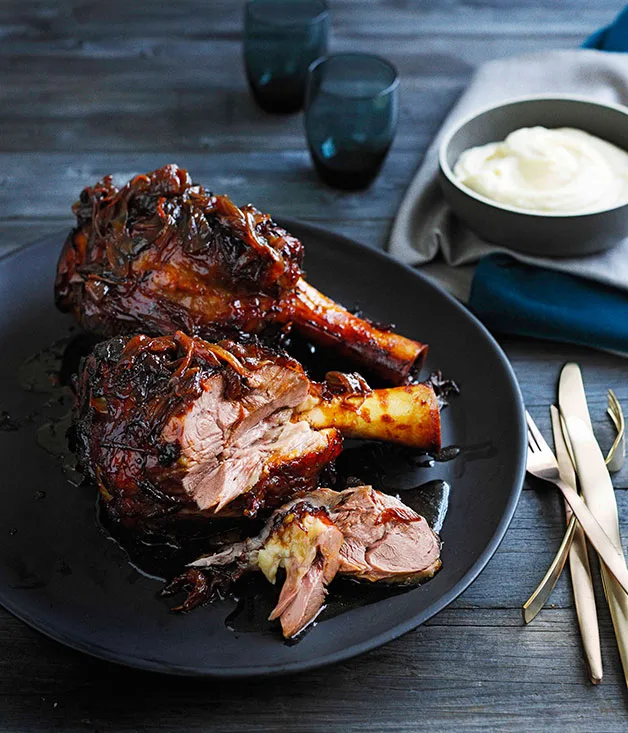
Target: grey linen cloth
[425, 231]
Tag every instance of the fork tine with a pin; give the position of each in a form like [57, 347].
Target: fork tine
[613, 416]
[614, 408]
[612, 397]
[612, 403]
[615, 457]
[616, 405]
[536, 433]
[532, 444]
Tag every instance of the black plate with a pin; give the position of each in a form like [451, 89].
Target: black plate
[61, 574]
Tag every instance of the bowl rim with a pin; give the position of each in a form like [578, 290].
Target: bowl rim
[456, 126]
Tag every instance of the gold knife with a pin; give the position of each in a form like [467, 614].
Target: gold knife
[597, 490]
[573, 546]
[581, 579]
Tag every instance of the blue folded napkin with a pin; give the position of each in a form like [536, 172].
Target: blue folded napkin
[612, 38]
[512, 297]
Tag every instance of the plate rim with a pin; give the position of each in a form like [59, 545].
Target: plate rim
[398, 629]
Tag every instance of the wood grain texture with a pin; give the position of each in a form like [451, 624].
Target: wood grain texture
[383, 18]
[88, 88]
[523, 679]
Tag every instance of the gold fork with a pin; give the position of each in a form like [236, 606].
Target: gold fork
[542, 464]
[617, 453]
[614, 461]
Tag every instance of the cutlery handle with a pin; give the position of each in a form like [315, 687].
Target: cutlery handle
[597, 487]
[581, 578]
[613, 559]
[586, 609]
[618, 606]
[573, 547]
[544, 590]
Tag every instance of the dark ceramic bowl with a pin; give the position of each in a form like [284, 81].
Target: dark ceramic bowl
[538, 233]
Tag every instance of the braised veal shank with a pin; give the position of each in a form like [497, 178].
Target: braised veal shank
[162, 254]
[174, 427]
[190, 412]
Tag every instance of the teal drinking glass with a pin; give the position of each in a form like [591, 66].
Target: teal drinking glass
[351, 110]
[281, 39]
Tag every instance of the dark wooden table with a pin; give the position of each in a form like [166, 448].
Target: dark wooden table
[89, 88]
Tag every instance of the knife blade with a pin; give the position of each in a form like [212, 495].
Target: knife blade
[581, 579]
[597, 490]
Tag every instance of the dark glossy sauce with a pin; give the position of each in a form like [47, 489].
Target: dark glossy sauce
[49, 373]
[42, 371]
[162, 557]
[54, 436]
[8, 424]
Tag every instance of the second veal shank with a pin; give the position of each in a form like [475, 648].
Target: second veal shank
[162, 254]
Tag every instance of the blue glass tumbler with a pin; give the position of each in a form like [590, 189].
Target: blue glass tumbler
[281, 39]
[351, 111]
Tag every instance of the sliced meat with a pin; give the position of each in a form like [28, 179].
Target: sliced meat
[308, 600]
[300, 539]
[175, 427]
[384, 539]
[307, 546]
[227, 445]
[359, 532]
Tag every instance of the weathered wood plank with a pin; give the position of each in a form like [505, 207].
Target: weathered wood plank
[127, 94]
[360, 18]
[482, 671]
[284, 184]
[439, 53]
[192, 125]
[143, 75]
[197, 119]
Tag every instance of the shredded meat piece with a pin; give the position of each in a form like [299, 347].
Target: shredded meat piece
[359, 532]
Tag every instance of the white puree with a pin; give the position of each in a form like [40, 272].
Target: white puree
[562, 171]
